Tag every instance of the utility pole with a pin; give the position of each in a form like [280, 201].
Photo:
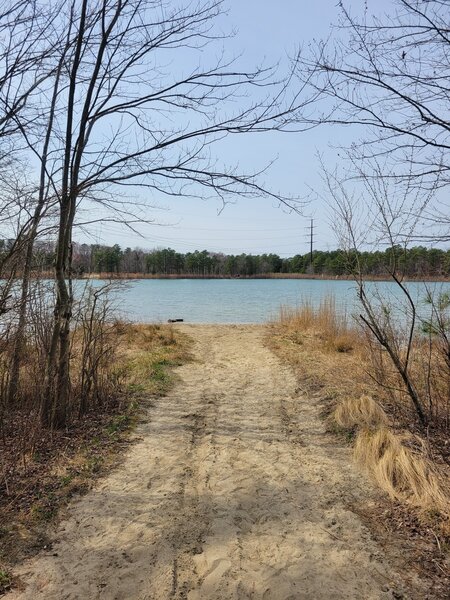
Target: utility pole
[311, 242]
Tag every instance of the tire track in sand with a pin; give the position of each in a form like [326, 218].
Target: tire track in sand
[231, 491]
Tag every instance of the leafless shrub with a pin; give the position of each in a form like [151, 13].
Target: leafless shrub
[95, 343]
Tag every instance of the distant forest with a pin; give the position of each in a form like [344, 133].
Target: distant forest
[417, 261]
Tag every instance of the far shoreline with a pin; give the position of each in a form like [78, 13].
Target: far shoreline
[305, 276]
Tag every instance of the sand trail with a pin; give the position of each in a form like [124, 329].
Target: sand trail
[231, 491]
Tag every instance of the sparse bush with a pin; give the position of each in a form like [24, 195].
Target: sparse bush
[93, 381]
[343, 343]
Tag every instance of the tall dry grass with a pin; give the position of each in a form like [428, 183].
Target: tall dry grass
[331, 327]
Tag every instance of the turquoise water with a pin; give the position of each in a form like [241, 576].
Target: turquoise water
[243, 300]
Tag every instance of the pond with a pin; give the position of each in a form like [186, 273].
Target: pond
[245, 300]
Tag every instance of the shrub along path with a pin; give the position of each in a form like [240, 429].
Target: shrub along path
[232, 489]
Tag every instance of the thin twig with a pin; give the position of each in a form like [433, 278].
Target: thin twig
[438, 565]
[332, 534]
[437, 540]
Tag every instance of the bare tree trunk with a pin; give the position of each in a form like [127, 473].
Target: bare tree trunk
[55, 406]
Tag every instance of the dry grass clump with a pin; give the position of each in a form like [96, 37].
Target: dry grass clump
[359, 412]
[147, 336]
[402, 470]
[322, 346]
[398, 462]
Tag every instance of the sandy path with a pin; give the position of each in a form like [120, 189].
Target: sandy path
[233, 490]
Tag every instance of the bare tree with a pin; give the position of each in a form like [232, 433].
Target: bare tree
[109, 114]
[388, 77]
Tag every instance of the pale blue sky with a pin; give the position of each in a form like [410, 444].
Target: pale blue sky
[266, 31]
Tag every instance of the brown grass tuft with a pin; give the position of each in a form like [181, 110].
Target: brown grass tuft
[359, 412]
[400, 470]
[397, 462]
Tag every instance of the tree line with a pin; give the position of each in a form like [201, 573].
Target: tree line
[417, 261]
